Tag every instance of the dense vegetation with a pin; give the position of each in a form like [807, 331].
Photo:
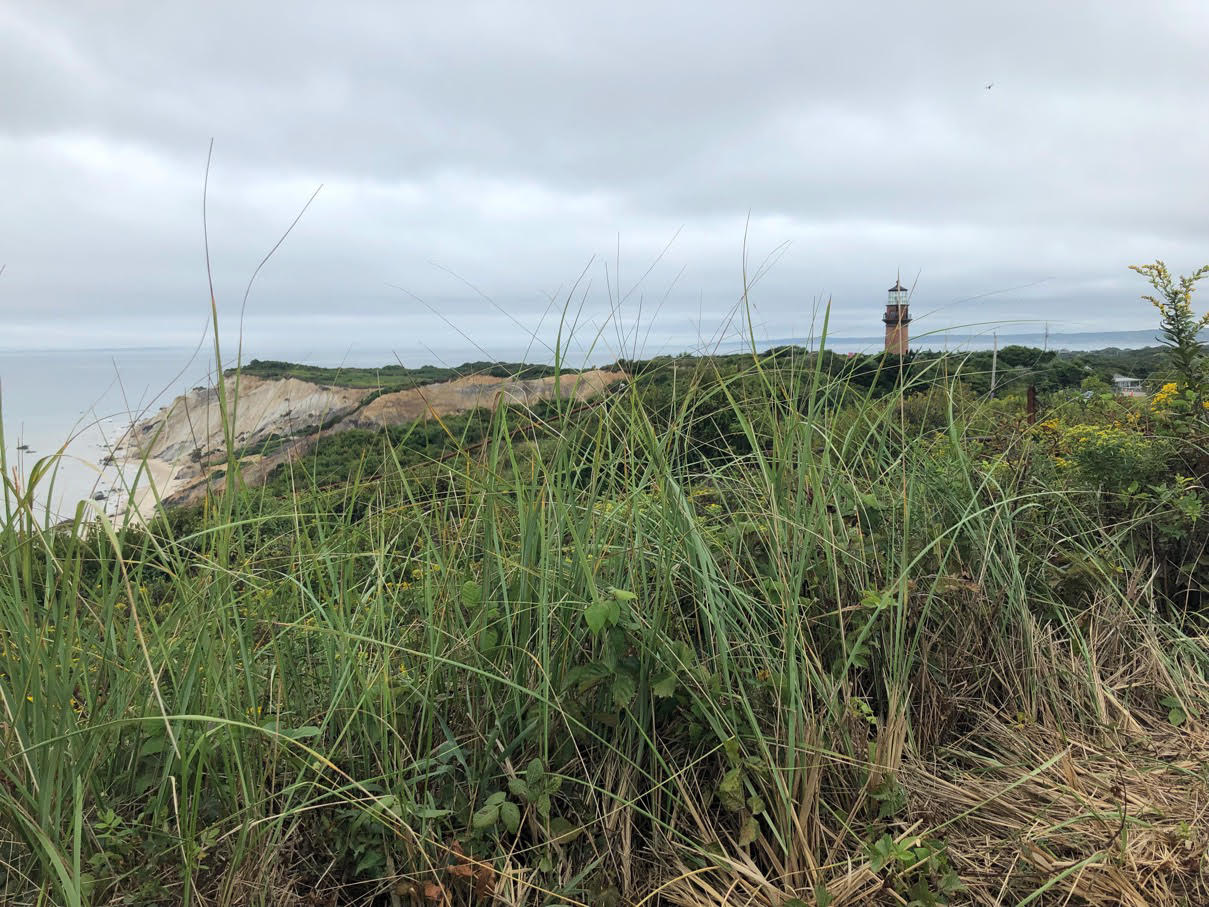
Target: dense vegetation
[1016, 367]
[773, 629]
[365, 452]
[389, 377]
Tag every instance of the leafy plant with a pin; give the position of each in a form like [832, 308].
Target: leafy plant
[919, 872]
[1180, 327]
[497, 809]
[536, 788]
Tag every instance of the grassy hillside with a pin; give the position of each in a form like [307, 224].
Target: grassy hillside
[1047, 369]
[771, 630]
[390, 377]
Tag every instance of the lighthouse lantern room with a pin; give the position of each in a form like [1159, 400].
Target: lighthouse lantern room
[897, 318]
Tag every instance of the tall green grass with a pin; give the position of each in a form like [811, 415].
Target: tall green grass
[772, 641]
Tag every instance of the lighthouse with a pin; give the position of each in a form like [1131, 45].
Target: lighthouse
[897, 318]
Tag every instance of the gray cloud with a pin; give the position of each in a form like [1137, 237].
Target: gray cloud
[513, 147]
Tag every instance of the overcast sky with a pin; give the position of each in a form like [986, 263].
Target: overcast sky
[512, 146]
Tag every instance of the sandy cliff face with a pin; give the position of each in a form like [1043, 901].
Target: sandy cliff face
[287, 406]
[297, 409]
[472, 392]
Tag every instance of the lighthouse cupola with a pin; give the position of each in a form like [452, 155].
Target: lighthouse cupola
[896, 319]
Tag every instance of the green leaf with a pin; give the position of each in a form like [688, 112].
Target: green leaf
[370, 860]
[1175, 711]
[510, 815]
[891, 798]
[424, 812]
[748, 831]
[301, 733]
[621, 594]
[625, 685]
[950, 883]
[609, 719]
[563, 831]
[533, 774]
[543, 805]
[488, 640]
[387, 803]
[684, 654]
[615, 644]
[757, 765]
[497, 798]
[153, 746]
[665, 686]
[518, 788]
[920, 893]
[731, 747]
[881, 853]
[588, 676]
[713, 849]
[485, 817]
[598, 615]
[756, 805]
[730, 789]
[472, 594]
[614, 613]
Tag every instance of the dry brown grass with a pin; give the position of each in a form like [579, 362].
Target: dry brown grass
[1033, 803]
[1117, 820]
[1121, 819]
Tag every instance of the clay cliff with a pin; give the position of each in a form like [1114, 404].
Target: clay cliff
[191, 426]
[185, 442]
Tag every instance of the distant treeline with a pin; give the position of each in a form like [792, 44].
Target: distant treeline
[1015, 367]
[390, 377]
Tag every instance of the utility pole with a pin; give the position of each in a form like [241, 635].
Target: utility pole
[994, 364]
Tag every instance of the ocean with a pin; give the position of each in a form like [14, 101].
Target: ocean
[78, 403]
[81, 401]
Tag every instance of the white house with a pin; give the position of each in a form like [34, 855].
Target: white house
[1126, 386]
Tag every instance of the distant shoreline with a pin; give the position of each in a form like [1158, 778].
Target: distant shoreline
[936, 341]
[354, 355]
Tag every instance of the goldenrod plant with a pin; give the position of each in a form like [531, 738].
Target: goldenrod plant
[1180, 326]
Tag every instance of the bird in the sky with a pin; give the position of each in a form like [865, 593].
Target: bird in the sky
[990, 85]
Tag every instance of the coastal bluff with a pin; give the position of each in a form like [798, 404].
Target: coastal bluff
[276, 420]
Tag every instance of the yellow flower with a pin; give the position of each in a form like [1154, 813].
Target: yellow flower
[1163, 395]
